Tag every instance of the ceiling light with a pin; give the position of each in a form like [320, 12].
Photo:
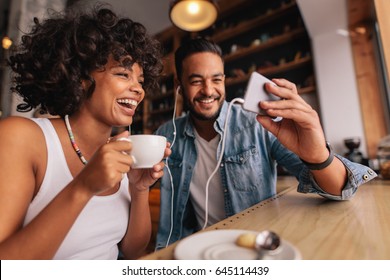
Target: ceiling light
[193, 15]
[6, 42]
[360, 30]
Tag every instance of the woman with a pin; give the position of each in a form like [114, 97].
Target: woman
[65, 185]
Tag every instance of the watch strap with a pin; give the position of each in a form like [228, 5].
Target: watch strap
[322, 165]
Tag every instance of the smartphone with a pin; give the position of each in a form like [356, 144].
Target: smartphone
[255, 92]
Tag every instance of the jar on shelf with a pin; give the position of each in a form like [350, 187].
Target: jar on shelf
[384, 157]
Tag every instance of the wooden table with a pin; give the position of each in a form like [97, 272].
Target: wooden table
[321, 229]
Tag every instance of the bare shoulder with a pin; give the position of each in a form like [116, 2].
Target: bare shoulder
[16, 121]
[19, 129]
[21, 136]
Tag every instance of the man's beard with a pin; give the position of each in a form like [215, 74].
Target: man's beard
[200, 116]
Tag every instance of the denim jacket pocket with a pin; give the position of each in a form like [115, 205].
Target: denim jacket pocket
[244, 164]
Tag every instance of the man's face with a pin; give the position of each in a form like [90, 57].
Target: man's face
[203, 85]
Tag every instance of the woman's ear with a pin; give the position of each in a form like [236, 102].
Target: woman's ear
[85, 85]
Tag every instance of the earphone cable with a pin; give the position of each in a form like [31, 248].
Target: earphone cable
[238, 100]
[169, 171]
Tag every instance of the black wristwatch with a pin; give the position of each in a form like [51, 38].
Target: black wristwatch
[322, 165]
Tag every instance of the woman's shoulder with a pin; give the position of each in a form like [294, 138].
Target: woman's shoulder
[19, 129]
[17, 125]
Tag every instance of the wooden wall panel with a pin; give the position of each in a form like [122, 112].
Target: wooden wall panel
[368, 77]
[382, 8]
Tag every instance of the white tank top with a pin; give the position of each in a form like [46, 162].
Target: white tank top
[102, 223]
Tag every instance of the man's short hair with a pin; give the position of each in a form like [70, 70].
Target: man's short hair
[197, 45]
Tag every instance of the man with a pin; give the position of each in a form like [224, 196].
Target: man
[253, 147]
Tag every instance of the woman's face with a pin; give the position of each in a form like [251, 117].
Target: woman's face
[118, 92]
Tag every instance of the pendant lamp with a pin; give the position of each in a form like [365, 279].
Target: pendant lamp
[193, 15]
[6, 42]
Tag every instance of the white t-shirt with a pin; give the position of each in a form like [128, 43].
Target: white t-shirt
[204, 167]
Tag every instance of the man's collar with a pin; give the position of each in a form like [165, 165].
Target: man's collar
[220, 122]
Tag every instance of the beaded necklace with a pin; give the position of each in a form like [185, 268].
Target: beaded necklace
[71, 137]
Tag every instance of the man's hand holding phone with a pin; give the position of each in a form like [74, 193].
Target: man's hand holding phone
[256, 92]
[299, 128]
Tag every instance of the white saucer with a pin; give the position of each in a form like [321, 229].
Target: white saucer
[220, 245]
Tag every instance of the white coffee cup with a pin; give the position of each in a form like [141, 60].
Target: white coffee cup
[147, 150]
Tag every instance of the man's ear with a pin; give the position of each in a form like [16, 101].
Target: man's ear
[179, 89]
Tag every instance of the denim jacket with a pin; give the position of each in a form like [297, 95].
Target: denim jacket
[248, 171]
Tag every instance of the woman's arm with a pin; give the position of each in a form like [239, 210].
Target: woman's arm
[21, 147]
[21, 173]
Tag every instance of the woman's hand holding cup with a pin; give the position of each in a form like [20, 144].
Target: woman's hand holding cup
[147, 153]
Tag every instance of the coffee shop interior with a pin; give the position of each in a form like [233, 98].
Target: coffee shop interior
[337, 52]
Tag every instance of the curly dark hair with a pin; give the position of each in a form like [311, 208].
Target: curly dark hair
[61, 51]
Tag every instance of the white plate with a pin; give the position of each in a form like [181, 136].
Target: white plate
[221, 245]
